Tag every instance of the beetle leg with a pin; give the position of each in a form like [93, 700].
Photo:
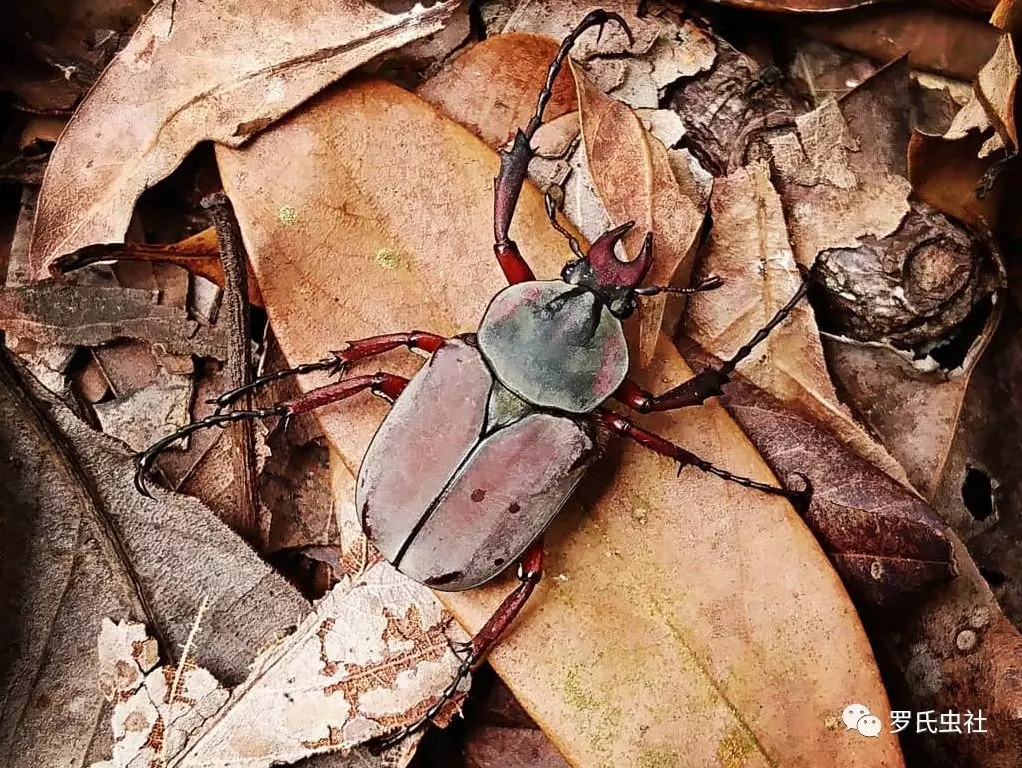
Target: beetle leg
[621, 426]
[385, 385]
[710, 382]
[514, 164]
[530, 571]
[353, 353]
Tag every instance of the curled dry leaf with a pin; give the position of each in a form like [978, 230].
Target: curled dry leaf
[632, 173]
[89, 546]
[152, 105]
[963, 172]
[886, 542]
[950, 645]
[199, 254]
[645, 597]
[748, 248]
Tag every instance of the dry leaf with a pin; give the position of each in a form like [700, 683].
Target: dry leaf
[935, 39]
[199, 254]
[645, 593]
[887, 543]
[748, 248]
[153, 104]
[950, 645]
[326, 688]
[87, 546]
[631, 172]
[963, 172]
[53, 51]
[507, 64]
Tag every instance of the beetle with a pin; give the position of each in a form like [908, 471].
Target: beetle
[523, 413]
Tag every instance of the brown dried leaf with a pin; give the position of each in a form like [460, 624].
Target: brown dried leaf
[152, 105]
[934, 38]
[748, 248]
[951, 647]
[667, 615]
[886, 542]
[833, 191]
[509, 64]
[962, 172]
[632, 173]
[82, 544]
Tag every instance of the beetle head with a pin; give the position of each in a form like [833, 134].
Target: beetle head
[613, 280]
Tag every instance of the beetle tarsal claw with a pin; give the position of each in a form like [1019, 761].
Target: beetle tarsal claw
[800, 499]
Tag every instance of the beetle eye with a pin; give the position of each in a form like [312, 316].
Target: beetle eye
[570, 273]
[622, 307]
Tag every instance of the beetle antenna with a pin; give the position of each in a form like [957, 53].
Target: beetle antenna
[706, 284]
[551, 212]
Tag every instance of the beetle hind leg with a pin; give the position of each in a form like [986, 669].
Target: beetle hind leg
[336, 364]
[622, 427]
[530, 571]
[386, 385]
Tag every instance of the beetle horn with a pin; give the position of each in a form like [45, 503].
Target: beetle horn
[609, 269]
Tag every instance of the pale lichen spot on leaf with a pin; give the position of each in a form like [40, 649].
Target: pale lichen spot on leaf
[388, 258]
[287, 215]
[734, 750]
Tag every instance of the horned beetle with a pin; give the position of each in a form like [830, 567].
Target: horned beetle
[524, 425]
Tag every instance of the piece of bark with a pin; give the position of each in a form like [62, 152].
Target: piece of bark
[81, 315]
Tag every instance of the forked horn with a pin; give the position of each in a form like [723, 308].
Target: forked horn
[609, 269]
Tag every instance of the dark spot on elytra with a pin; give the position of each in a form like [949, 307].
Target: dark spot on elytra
[478, 494]
[499, 562]
[444, 578]
[514, 508]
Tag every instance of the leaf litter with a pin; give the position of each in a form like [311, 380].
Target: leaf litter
[831, 183]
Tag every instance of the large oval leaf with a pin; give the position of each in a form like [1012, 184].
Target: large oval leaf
[684, 621]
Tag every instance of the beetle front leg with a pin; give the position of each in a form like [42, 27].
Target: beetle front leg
[710, 382]
[621, 426]
[386, 385]
[514, 164]
[530, 571]
[354, 352]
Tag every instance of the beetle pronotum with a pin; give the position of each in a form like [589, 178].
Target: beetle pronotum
[531, 381]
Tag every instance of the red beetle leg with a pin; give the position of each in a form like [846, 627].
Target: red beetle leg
[530, 571]
[708, 383]
[621, 426]
[514, 164]
[386, 385]
[354, 352]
